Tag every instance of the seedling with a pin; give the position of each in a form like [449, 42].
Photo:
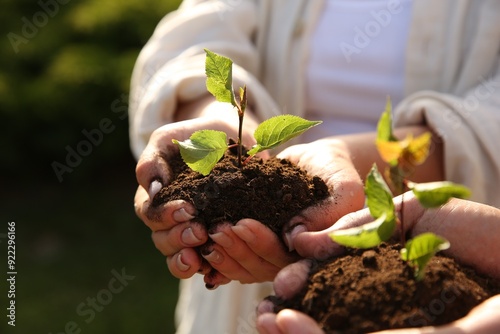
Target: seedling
[401, 155]
[205, 148]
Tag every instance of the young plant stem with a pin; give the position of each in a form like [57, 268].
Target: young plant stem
[241, 113]
[404, 187]
[240, 134]
[402, 226]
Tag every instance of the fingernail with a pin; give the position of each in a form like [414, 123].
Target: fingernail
[290, 236]
[154, 188]
[189, 238]
[210, 286]
[222, 239]
[243, 232]
[265, 306]
[181, 215]
[181, 265]
[214, 256]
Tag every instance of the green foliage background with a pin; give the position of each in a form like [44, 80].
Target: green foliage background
[66, 76]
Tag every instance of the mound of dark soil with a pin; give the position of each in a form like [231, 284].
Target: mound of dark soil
[372, 290]
[271, 191]
[359, 292]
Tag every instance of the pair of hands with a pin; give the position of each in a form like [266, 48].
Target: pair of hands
[483, 319]
[247, 251]
[473, 244]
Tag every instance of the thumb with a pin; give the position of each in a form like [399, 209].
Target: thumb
[319, 245]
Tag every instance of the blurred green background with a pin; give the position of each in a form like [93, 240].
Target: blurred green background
[65, 68]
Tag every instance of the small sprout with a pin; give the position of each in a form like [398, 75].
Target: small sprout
[401, 155]
[422, 248]
[419, 250]
[205, 148]
[380, 204]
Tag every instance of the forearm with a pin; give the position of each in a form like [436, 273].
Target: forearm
[473, 230]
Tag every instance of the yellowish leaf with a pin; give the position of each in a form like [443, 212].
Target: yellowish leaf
[418, 148]
[390, 151]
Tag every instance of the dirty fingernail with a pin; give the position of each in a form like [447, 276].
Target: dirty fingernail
[211, 286]
[182, 215]
[243, 232]
[222, 239]
[214, 256]
[265, 306]
[290, 236]
[180, 264]
[154, 188]
[189, 238]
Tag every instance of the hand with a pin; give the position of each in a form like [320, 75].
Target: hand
[250, 252]
[484, 319]
[174, 234]
[454, 221]
[330, 160]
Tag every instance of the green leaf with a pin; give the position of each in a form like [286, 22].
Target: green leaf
[384, 126]
[203, 150]
[219, 71]
[279, 129]
[379, 196]
[434, 194]
[366, 236]
[421, 249]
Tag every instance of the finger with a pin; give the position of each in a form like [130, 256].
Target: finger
[184, 264]
[290, 280]
[294, 322]
[484, 318]
[225, 265]
[140, 200]
[423, 330]
[265, 306]
[287, 322]
[337, 171]
[319, 245]
[153, 162]
[152, 169]
[238, 256]
[185, 235]
[266, 324]
[214, 279]
[164, 216]
[263, 242]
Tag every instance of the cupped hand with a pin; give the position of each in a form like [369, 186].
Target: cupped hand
[174, 232]
[483, 319]
[330, 160]
[454, 221]
[250, 252]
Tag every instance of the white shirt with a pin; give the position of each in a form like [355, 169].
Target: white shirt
[356, 60]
